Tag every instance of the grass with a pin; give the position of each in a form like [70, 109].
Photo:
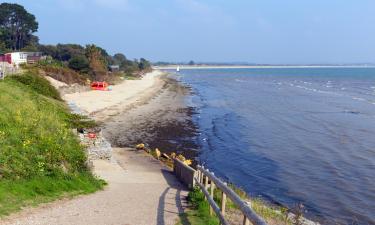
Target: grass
[40, 158]
[272, 214]
[130, 77]
[14, 195]
[37, 83]
[199, 213]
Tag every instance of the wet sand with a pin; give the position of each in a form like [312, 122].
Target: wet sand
[152, 111]
[162, 120]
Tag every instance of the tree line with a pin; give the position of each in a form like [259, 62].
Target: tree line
[17, 28]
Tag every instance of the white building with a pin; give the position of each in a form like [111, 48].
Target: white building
[18, 58]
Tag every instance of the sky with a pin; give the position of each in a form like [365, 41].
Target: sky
[253, 31]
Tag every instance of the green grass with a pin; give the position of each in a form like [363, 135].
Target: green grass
[37, 83]
[199, 214]
[40, 158]
[131, 77]
[15, 194]
[272, 214]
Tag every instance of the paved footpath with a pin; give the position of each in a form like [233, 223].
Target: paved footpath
[140, 192]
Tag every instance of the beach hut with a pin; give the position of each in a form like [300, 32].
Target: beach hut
[114, 68]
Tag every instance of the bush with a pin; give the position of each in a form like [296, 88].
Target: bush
[65, 74]
[200, 210]
[79, 63]
[38, 84]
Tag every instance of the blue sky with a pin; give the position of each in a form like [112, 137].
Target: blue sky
[256, 31]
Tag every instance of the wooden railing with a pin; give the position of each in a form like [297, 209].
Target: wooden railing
[184, 173]
[207, 182]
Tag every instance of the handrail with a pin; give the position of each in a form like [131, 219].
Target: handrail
[184, 165]
[204, 179]
[248, 212]
[184, 173]
[212, 203]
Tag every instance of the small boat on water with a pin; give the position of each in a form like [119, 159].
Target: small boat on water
[178, 69]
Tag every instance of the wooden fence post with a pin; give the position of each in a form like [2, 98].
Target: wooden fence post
[206, 184]
[249, 215]
[246, 221]
[223, 202]
[212, 195]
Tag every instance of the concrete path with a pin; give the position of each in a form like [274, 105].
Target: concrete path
[140, 192]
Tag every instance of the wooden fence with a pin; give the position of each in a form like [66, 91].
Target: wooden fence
[207, 182]
[7, 69]
[184, 173]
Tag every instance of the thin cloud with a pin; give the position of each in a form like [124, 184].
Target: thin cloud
[81, 5]
[113, 4]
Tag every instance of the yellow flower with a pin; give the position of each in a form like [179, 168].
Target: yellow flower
[26, 143]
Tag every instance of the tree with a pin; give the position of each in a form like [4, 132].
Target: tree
[79, 63]
[144, 64]
[119, 58]
[66, 51]
[3, 48]
[129, 67]
[97, 62]
[50, 50]
[16, 26]
[191, 63]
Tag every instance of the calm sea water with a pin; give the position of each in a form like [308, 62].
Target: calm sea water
[292, 136]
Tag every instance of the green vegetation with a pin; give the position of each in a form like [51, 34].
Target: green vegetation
[15, 194]
[40, 158]
[199, 213]
[38, 84]
[17, 28]
[272, 214]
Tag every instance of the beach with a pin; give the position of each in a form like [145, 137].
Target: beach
[122, 95]
[151, 110]
[140, 190]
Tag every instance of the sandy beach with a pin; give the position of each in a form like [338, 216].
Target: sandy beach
[151, 110]
[121, 95]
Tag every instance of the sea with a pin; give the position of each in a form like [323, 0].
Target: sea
[291, 136]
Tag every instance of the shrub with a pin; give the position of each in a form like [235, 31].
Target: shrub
[79, 63]
[38, 84]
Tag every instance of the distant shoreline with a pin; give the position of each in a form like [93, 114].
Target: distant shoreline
[188, 67]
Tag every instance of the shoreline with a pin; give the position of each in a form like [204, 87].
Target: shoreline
[152, 110]
[188, 67]
[158, 117]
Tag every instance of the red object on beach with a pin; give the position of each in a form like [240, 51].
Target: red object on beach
[92, 135]
[100, 86]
